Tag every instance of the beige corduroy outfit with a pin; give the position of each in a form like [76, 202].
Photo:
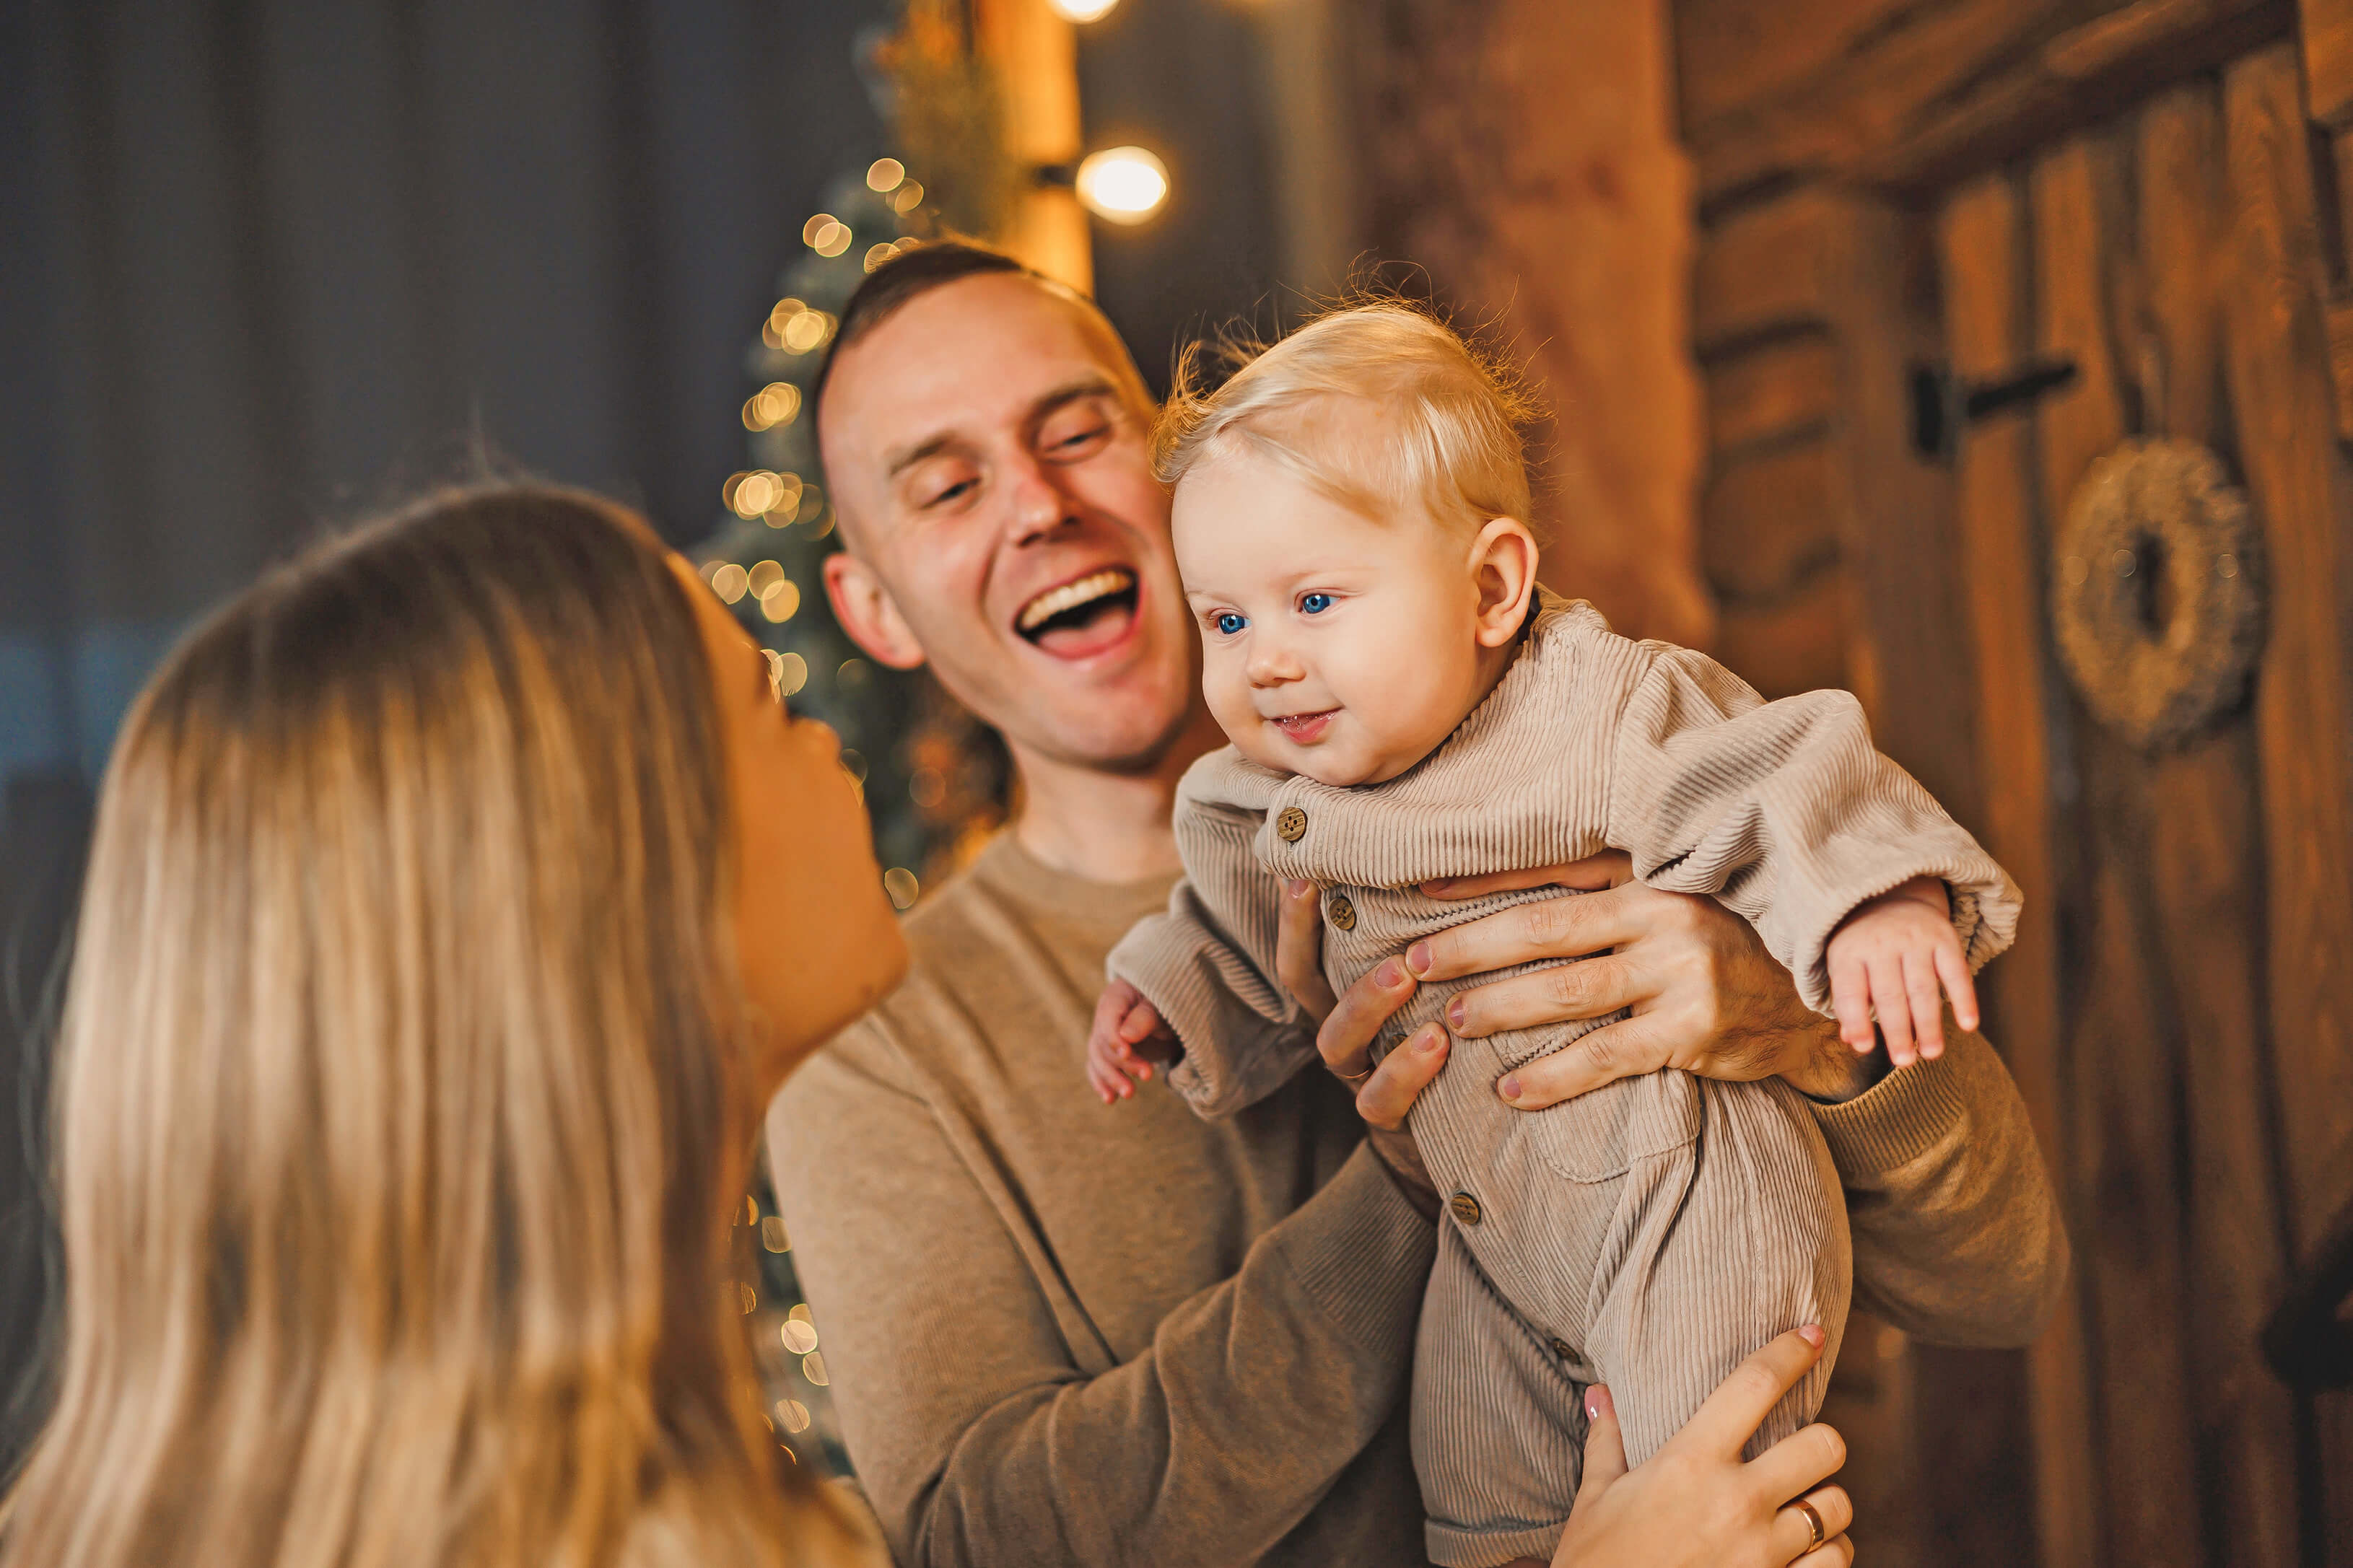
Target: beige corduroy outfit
[1651, 1234]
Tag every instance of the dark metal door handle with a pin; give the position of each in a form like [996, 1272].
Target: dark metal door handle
[1943, 404]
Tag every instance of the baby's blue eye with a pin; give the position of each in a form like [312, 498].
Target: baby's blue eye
[1314, 604]
[1230, 623]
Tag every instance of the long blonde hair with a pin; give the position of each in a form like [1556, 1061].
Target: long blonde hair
[400, 1108]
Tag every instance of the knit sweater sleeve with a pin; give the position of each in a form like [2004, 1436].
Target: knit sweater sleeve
[1958, 1234]
[1786, 813]
[1208, 965]
[983, 1435]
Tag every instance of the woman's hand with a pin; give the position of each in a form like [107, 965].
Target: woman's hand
[1706, 996]
[1693, 1504]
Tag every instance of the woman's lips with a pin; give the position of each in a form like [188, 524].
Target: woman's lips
[1305, 728]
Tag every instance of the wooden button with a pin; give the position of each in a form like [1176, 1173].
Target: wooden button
[1289, 824]
[1343, 913]
[1464, 1208]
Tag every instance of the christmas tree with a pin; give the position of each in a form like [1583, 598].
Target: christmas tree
[934, 779]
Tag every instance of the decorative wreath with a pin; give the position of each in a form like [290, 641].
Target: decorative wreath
[2156, 590]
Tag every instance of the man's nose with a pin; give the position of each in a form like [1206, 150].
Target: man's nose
[1038, 504]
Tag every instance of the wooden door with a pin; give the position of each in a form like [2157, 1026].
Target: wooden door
[2180, 1015]
[2147, 191]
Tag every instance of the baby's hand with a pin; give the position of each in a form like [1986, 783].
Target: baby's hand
[1890, 954]
[1127, 1038]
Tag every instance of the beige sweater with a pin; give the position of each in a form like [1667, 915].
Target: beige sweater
[1059, 1333]
[1591, 740]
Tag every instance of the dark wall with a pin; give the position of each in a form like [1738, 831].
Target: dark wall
[271, 260]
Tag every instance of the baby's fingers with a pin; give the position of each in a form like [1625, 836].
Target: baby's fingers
[1141, 1021]
[1108, 1085]
[1895, 1008]
[1927, 1003]
[1850, 1000]
[1954, 971]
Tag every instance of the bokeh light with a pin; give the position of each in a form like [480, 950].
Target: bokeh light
[885, 175]
[1083, 10]
[1122, 184]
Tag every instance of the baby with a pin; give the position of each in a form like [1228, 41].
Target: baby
[1406, 705]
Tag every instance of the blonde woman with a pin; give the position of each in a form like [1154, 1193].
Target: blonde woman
[461, 895]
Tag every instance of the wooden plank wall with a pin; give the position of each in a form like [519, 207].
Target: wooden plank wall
[2133, 187]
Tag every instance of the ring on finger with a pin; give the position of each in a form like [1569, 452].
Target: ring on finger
[1356, 1076]
[1813, 1522]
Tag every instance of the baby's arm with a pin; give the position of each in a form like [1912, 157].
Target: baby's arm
[1129, 1035]
[1787, 814]
[1892, 955]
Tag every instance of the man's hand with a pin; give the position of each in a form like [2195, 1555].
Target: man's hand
[1349, 1026]
[1705, 995]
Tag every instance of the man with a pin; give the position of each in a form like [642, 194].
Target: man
[1067, 1332]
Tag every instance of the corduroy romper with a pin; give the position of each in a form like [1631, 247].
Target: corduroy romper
[1650, 1235]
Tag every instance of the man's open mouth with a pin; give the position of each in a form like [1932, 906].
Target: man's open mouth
[1081, 616]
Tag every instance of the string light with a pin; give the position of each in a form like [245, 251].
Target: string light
[885, 175]
[907, 197]
[772, 1234]
[799, 1335]
[781, 601]
[810, 327]
[901, 884]
[730, 581]
[876, 255]
[778, 403]
[748, 495]
[763, 578]
[792, 675]
[1083, 10]
[1122, 184]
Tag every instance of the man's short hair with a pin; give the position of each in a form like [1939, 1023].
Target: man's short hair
[901, 278]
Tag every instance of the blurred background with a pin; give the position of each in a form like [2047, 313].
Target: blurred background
[1836, 303]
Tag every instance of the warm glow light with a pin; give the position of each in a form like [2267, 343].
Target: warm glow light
[884, 174]
[778, 403]
[1083, 10]
[764, 575]
[749, 495]
[799, 1337]
[1122, 184]
[787, 504]
[779, 600]
[901, 884]
[817, 225]
[876, 255]
[729, 582]
[792, 673]
[832, 239]
[809, 328]
[794, 1416]
[907, 197]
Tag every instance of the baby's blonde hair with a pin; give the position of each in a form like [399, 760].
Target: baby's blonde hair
[1451, 415]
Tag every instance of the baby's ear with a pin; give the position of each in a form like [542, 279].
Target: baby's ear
[1504, 567]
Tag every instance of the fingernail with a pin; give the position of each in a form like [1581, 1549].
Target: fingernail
[1593, 1404]
[1387, 974]
[1295, 887]
[1429, 1039]
[1417, 957]
[1813, 1334]
[1454, 1011]
[1508, 1088]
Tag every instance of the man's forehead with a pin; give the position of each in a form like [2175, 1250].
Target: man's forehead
[975, 352]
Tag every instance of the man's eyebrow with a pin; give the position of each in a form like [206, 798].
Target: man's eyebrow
[899, 462]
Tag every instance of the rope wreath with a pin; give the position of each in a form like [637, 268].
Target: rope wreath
[2157, 591]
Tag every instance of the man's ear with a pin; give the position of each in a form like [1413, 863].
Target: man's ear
[1503, 567]
[864, 608]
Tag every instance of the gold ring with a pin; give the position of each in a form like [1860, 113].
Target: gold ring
[1353, 1076]
[1813, 1522]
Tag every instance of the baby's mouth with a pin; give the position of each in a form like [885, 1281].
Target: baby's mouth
[1304, 726]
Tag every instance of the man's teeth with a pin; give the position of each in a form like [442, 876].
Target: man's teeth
[1070, 596]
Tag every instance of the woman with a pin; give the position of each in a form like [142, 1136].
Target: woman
[461, 895]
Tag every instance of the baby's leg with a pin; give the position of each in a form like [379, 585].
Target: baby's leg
[1712, 1258]
[1498, 1423]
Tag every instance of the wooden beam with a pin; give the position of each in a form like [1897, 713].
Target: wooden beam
[1788, 646]
[2328, 33]
[1765, 528]
[2281, 386]
[1760, 273]
[2205, 868]
[1947, 91]
[1772, 394]
[2122, 1150]
[1979, 243]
